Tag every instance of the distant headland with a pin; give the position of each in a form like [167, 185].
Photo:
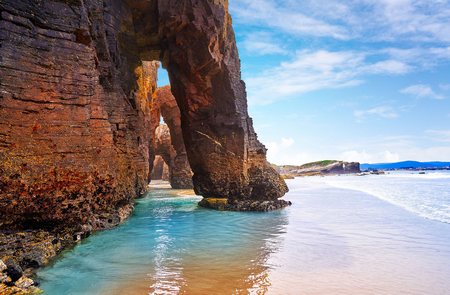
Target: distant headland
[325, 167]
[407, 165]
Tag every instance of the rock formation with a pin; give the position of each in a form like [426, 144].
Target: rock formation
[225, 155]
[160, 169]
[75, 110]
[327, 167]
[169, 138]
[76, 86]
[179, 172]
[74, 113]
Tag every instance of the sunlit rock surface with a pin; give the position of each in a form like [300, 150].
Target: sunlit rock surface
[76, 127]
[169, 141]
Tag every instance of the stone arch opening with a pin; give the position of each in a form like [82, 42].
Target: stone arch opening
[167, 141]
[195, 42]
[76, 108]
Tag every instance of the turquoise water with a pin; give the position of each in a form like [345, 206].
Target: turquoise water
[168, 243]
[330, 241]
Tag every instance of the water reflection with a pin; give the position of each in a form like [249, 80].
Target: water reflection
[207, 252]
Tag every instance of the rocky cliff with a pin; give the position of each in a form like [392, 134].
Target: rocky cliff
[225, 155]
[169, 141]
[77, 83]
[327, 167]
[75, 108]
[75, 113]
[160, 169]
[179, 172]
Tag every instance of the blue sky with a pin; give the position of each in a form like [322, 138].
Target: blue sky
[356, 80]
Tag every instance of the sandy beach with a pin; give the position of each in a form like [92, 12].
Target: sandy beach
[330, 241]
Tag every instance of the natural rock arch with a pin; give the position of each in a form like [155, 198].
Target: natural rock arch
[225, 155]
[75, 108]
[169, 141]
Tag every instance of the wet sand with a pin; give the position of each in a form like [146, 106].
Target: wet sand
[331, 241]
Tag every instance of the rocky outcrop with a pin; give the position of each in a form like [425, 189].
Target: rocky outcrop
[160, 169]
[76, 125]
[327, 167]
[75, 113]
[74, 119]
[21, 253]
[169, 138]
[225, 155]
[179, 173]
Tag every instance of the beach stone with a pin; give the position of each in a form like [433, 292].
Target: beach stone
[24, 282]
[3, 277]
[243, 205]
[13, 270]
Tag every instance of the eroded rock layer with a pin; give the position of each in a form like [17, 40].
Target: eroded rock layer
[169, 138]
[76, 125]
[75, 107]
[160, 169]
[75, 110]
[200, 54]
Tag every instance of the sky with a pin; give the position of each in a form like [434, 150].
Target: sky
[355, 80]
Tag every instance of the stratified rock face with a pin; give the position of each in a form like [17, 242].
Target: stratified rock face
[164, 103]
[74, 113]
[164, 149]
[200, 54]
[160, 169]
[75, 110]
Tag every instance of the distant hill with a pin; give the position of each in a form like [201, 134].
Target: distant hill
[405, 165]
[325, 167]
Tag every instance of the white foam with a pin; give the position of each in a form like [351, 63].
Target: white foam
[427, 195]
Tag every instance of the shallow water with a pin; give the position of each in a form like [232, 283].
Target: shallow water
[331, 241]
[427, 195]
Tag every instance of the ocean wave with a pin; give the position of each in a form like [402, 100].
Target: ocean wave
[425, 195]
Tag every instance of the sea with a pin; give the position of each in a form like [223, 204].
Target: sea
[348, 234]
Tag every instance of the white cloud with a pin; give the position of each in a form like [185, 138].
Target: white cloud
[444, 87]
[274, 14]
[419, 58]
[389, 67]
[372, 149]
[439, 135]
[421, 91]
[287, 142]
[381, 111]
[419, 20]
[262, 43]
[396, 148]
[366, 157]
[313, 70]
[277, 150]
[383, 20]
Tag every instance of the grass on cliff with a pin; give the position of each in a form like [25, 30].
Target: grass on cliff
[318, 163]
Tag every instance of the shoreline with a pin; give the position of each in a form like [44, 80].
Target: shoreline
[24, 251]
[318, 203]
[330, 241]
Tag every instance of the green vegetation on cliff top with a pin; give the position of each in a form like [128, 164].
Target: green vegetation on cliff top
[312, 164]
